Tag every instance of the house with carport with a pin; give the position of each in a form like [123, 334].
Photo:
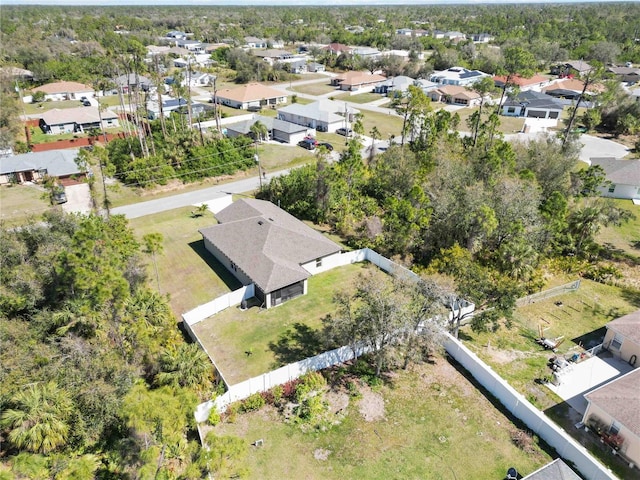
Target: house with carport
[261, 244]
[623, 177]
[58, 91]
[324, 115]
[250, 95]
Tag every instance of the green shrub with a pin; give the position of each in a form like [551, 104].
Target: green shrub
[214, 417]
[277, 392]
[253, 402]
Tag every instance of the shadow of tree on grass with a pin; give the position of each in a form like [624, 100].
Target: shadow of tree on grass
[296, 344]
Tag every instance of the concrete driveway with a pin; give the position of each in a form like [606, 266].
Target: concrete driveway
[594, 147]
[78, 199]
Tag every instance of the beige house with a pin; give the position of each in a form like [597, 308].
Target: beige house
[251, 95]
[623, 338]
[357, 82]
[616, 406]
[456, 95]
[63, 91]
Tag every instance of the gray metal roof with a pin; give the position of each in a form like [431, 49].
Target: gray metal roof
[267, 243]
[271, 123]
[621, 172]
[57, 163]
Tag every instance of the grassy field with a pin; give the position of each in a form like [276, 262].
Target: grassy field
[579, 318]
[625, 238]
[320, 88]
[188, 273]
[360, 98]
[247, 343]
[19, 202]
[431, 423]
[386, 124]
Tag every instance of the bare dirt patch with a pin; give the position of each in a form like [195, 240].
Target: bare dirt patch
[321, 454]
[338, 401]
[371, 405]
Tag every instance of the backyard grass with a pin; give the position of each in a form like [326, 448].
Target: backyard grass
[579, 317]
[626, 237]
[19, 202]
[434, 424]
[360, 98]
[319, 88]
[244, 344]
[188, 273]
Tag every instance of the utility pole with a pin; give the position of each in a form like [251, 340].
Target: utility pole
[257, 159]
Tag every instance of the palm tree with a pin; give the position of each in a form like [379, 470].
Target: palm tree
[39, 422]
[153, 245]
[185, 366]
[259, 131]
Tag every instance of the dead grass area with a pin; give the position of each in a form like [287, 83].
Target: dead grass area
[320, 88]
[20, 202]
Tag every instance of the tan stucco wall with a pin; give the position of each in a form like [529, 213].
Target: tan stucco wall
[631, 445]
[627, 349]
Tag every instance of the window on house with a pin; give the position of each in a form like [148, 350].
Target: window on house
[616, 343]
[614, 429]
[511, 110]
[612, 188]
[318, 262]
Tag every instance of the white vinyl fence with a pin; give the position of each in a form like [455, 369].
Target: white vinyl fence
[546, 429]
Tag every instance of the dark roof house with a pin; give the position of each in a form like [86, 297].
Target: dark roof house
[32, 167]
[262, 244]
[556, 470]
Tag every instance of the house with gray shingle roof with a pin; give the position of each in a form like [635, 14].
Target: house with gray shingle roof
[79, 119]
[262, 244]
[324, 115]
[33, 166]
[616, 405]
[279, 130]
[623, 177]
[532, 104]
[556, 470]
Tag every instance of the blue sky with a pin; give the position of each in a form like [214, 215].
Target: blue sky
[278, 2]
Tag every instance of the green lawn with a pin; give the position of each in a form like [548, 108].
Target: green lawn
[386, 124]
[19, 202]
[319, 88]
[436, 424]
[360, 98]
[188, 273]
[247, 343]
[625, 238]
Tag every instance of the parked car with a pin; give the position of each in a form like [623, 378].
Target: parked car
[58, 195]
[308, 144]
[311, 139]
[86, 103]
[346, 132]
[326, 145]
